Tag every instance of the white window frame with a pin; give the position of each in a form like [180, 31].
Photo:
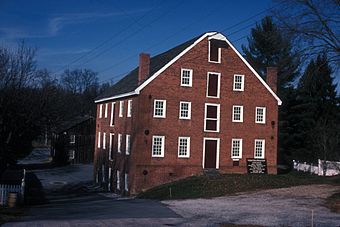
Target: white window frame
[263, 116]
[219, 55]
[113, 104]
[106, 110]
[205, 117]
[126, 182]
[164, 108]
[217, 151]
[263, 148]
[241, 113]
[190, 78]
[109, 179]
[162, 146]
[218, 85]
[121, 108]
[127, 144]
[104, 140]
[100, 110]
[120, 138]
[242, 83]
[98, 141]
[118, 179]
[188, 147]
[71, 154]
[72, 139]
[110, 146]
[189, 110]
[234, 157]
[129, 108]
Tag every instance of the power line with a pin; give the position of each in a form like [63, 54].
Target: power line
[105, 41]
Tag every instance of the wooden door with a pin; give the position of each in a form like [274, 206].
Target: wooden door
[210, 154]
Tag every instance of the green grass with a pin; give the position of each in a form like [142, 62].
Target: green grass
[9, 214]
[207, 187]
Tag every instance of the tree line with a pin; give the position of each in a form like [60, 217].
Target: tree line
[34, 102]
[302, 42]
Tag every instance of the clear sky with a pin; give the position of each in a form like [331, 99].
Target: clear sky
[107, 36]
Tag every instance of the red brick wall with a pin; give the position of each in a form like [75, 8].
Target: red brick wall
[167, 86]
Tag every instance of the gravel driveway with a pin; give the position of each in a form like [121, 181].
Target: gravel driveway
[276, 207]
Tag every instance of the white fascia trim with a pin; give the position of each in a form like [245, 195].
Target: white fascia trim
[222, 37]
[117, 96]
[138, 89]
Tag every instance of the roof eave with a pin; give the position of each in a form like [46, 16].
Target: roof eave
[117, 96]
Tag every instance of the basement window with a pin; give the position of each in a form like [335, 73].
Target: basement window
[126, 182]
[118, 180]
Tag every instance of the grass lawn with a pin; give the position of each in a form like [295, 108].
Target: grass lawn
[8, 214]
[226, 184]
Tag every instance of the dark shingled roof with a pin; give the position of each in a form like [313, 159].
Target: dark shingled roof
[130, 82]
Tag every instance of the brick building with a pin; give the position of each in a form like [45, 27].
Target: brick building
[197, 106]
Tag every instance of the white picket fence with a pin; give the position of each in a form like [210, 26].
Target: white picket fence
[332, 168]
[8, 188]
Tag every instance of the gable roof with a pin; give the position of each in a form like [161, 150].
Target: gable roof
[128, 85]
[130, 82]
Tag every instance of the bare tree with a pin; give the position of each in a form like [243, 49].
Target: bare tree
[314, 25]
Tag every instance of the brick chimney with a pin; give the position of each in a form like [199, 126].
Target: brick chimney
[272, 78]
[144, 67]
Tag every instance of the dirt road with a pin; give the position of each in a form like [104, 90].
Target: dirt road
[293, 206]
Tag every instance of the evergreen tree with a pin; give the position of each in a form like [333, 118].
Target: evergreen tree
[315, 117]
[267, 46]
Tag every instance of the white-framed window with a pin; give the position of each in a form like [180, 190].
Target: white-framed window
[126, 182]
[236, 148]
[186, 77]
[98, 142]
[238, 82]
[159, 108]
[158, 146]
[118, 180]
[120, 137]
[183, 147]
[129, 108]
[237, 114]
[71, 154]
[127, 144]
[121, 108]
[104, 140]
[111, 146]
[184, 110]
[100, 110]
[214, 52]
[72, 138]
[259, 148]
[260, 115]
[213, 85]
[110, 179]
[212, 117]
[106, 109]
[112, 119]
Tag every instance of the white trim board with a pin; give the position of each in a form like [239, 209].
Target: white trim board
[210, 35]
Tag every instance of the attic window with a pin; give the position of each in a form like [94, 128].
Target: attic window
[215, 46]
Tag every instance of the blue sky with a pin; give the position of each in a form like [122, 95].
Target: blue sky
[107, 36]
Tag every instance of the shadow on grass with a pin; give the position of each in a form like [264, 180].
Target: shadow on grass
[227, 184]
